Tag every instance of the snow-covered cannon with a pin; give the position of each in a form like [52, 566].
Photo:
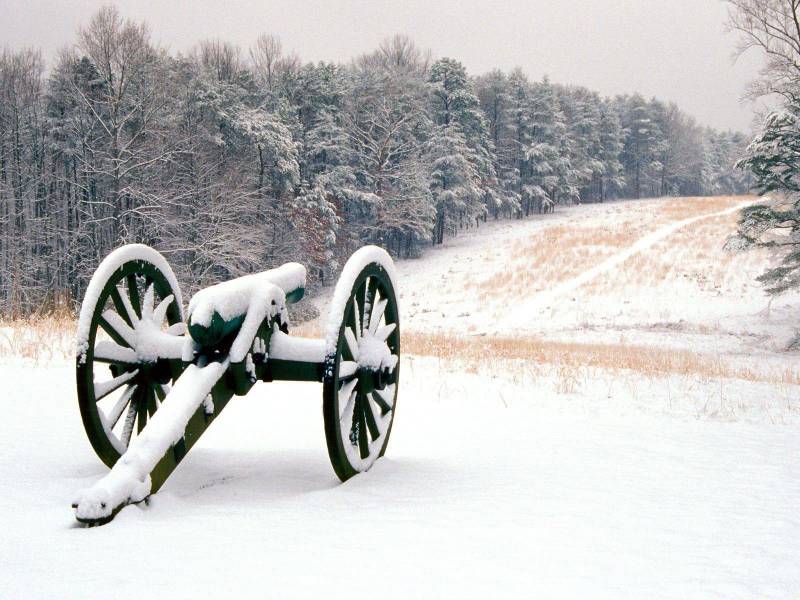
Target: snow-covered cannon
[150, 381]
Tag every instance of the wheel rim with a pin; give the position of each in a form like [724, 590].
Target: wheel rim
[131, 357]
[361, 378]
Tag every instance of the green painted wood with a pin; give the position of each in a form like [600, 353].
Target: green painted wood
[372, 280]
[218, 333]
[198, 424]
[87, 369]
[295, 295]
[290, 370]
[133, 293]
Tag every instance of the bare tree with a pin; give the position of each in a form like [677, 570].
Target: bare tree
[266, 59]
[126, 103]
[773, 26]
[223, 59]
[21, 171]
[398, 55]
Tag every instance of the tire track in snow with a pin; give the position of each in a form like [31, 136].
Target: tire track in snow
[545, 298]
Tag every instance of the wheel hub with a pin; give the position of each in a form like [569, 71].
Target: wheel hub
[158, 371]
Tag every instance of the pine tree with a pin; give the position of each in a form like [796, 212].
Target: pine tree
[642, 143]
[582, 112]
[773, 158]
[494, 93]
[551, 177]
[455, 181]
[612, 141]
[456, 108]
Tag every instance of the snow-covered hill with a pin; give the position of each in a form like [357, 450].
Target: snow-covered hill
[594, 404]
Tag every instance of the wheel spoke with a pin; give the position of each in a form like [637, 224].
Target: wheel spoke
[130, 419]
[369, 416]
[149, 302]
[106, 351]
[142, 410]
[384, 331]
[377, 313]
[385, 408]
[369, 299]
[120, 327]
[385, 398]
[352, 343]
[111, 332]
[347, 369]
[151, 400]
[363, 442]
[346, 418]
[119, 305]
[357, 317]
[104, 388]
[129, 307]
[133, 294]
[116, 412]
[160, 313]
[161, 393]
[346, 396]
[360, 302]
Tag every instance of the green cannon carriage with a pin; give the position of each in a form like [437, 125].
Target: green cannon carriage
[150, 380]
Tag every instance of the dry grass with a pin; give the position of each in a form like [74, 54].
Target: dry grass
[562, 252]
[52, 337]
[40, 338]
[309, 329]
[694, 253]
[676, 209]
[570, 357]
[556, 254]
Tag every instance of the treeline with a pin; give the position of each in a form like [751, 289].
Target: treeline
[230, 161]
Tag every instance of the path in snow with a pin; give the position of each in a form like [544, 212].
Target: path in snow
[541, 300]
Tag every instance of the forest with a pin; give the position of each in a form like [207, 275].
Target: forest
[232, 160]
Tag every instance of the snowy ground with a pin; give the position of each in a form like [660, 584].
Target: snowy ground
[506, 477]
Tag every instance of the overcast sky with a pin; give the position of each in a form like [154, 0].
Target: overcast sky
[673, 49]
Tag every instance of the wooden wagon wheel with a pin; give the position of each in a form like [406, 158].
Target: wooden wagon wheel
[362, 364]
[129, 346]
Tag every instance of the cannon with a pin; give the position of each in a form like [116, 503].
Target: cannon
[151, 379]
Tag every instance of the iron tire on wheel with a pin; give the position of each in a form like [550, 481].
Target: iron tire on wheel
[360, 395]
[131, 288]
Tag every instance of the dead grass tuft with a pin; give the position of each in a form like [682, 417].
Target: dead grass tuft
[561, 252]
[571, 357]
[556, 254]
[40, 338]
[677, 209]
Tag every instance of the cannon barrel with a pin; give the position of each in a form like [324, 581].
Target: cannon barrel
[217, 313]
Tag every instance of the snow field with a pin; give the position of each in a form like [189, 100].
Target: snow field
[637, 441]
[541, 495]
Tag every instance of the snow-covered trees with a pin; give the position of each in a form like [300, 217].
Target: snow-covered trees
[460, 151]
[386, 125]
[234, 161]
[773, 156]
[611, 139]
[643, 145]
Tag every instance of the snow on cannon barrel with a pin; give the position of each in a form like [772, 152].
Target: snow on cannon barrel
[217, 313]
[147, 391]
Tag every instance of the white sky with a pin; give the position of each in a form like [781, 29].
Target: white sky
[673, 49]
